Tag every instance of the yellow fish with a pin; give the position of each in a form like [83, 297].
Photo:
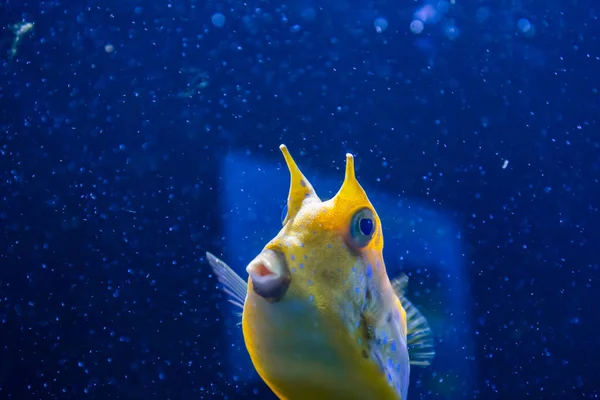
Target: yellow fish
[321, 319]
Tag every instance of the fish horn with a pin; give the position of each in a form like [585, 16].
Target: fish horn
[301, 190]
[350, 189]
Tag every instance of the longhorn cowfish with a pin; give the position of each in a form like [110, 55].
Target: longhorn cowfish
[320, 317]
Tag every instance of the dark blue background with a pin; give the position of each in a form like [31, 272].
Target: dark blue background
[112, 184]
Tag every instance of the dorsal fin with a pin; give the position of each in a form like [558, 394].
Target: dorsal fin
[232, 283]
[419, 337]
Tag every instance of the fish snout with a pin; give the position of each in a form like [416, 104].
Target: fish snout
[270, 275]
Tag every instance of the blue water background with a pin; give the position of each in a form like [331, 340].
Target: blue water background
[134, 136]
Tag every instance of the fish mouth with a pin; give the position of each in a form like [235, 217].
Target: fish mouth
[269, 275]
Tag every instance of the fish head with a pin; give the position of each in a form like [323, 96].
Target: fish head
[321, 245]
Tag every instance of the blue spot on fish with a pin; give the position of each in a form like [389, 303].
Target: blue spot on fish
[311, 298]
[393, 348]
[369, 271]
[301, 266]
[292, 257]
[310, 282]
[294, 269]
[329, 245]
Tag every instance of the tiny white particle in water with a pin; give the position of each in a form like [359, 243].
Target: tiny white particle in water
[524, 25]
[109, 48]
[416, 26]
[452, 32]
[505, 164]
[218, 20]
[381, 24]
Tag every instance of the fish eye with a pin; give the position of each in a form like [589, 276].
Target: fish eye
[284, 213]
[362, 227]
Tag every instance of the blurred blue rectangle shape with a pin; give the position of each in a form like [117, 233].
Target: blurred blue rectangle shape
[422, 242]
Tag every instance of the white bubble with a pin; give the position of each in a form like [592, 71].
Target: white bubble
[427, 14]
[381, 24]
[451, 31]
[416, 26]
[218, 20]
[524, 25]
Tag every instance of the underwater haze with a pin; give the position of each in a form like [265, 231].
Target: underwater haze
[137, 135]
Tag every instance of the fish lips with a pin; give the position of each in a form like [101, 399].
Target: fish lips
[270, 276]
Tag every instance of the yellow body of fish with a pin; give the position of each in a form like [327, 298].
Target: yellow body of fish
[321, 319]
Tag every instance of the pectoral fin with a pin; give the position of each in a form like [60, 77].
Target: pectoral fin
[232, 283]
[419, 335]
